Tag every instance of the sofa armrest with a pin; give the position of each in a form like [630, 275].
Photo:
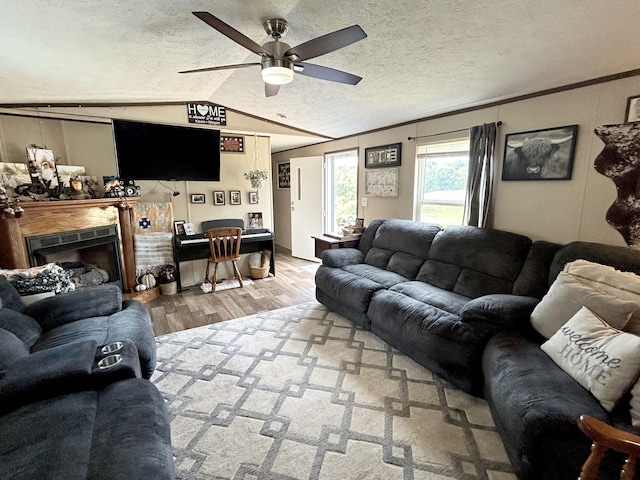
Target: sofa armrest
[509, 311]
[102, 300]
[340, 257]
[45, 374]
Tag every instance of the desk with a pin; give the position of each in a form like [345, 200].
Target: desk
[197, 247]
[324, 242]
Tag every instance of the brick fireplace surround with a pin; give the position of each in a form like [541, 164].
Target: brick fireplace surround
[40, 218]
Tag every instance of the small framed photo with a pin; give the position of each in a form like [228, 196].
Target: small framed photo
[253, 197]
[178, 227]
[197, 198]
[545, 154]
[189, 229]
[234, 197]
[284, 175]
[218, 198]
[383, 156]
[633, 110]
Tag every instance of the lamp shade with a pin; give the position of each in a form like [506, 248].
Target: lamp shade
[277, 75]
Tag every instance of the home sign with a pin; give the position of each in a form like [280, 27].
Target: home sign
[206, 114]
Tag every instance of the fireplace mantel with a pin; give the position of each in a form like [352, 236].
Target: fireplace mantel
[40, 218]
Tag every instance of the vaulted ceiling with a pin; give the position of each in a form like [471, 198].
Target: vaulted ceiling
[421, 57]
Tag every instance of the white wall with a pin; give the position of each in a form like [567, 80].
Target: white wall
[558, 211]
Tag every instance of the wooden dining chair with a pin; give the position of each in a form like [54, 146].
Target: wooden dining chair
[224, 243]
[605, 437]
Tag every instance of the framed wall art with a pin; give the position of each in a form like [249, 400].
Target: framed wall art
[383, 156]
[545, 154]
[381, 183]
[197, 198]
[253, 197]
[231, 144]
[42, 167]
[218, 198]
[633, 110]
[178, 227]
[284, 175]
[234, 197]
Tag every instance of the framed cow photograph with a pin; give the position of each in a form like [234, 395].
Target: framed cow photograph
[545, 154]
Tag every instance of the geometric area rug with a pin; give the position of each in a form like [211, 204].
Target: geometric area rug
[303, 393]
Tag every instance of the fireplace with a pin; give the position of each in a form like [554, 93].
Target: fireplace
[78, 248]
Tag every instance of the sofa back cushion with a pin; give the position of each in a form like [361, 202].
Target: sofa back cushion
[474, 261]
[26, 328]
[9, 296]
[402, 246]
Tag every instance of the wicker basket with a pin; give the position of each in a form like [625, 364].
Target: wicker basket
[259, 272]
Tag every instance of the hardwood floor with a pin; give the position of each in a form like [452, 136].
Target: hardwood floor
[293, 284]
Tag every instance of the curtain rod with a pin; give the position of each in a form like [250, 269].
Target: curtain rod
[445, 133]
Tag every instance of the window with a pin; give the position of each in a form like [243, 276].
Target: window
[341, 189]
[442, 181]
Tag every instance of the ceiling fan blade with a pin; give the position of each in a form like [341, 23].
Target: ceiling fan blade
[326, 43]
[271, 90]
[325, 73]
[223, 67]
[232, 33]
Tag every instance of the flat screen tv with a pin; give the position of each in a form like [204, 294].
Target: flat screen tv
[150, 151]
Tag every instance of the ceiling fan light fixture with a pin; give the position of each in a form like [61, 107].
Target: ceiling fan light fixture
[277, 75]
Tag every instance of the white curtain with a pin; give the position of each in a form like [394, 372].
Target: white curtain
[480, 180]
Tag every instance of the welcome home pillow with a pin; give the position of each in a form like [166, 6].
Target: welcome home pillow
[606, 279]
[604, 360]
[567, 295]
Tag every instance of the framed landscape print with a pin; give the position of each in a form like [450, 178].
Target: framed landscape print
[197, 198]
[545, 154]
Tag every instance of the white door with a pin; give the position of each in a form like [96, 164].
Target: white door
[306, 205]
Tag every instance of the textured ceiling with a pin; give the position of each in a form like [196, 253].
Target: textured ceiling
[421, 57]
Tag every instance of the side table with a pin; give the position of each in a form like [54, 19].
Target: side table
[327, 241]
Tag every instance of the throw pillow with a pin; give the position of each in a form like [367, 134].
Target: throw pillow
[567, 295]
[602, 359]
[606, 279]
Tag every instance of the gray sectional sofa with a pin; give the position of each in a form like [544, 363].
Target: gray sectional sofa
[458, 301]
[64, 416]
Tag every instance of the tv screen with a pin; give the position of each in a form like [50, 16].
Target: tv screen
[150, 151]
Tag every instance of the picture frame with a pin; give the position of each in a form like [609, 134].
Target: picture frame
[42, 167]
[383, 156]
[231, 143]
[255, 220]
[632, 114]
[178, 227]
[197, 198]
[234, 197]
[284, 175]
[189, 229]
[545, 154]
[381, 183]
[253, 197]
[218, 197]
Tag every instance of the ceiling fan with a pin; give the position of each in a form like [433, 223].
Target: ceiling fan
[280, 61]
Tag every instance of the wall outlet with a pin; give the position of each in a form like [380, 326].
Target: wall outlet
[365, 201]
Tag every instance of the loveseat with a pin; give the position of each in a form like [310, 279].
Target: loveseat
[459, 301]
[69, 408]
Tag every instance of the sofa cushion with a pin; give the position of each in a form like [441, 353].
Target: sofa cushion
[567, 295]
[533, 279]
[383, 277]
[345, 287]
[474, 261]
[429, 294]
[11, 349]
[602, 359]
[402, 246]
[21, 325]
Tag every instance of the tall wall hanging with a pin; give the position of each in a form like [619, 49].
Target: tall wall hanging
[620, 161]
[257, 174]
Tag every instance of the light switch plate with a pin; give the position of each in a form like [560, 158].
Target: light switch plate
[365, 201]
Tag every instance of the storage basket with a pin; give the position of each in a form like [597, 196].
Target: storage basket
[259, 272]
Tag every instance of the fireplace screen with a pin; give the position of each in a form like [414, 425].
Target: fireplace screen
[92, 256]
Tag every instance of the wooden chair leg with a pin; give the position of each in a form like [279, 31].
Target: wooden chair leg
[215, 277]
[206, 273]
[237, 272]
[629, 469]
